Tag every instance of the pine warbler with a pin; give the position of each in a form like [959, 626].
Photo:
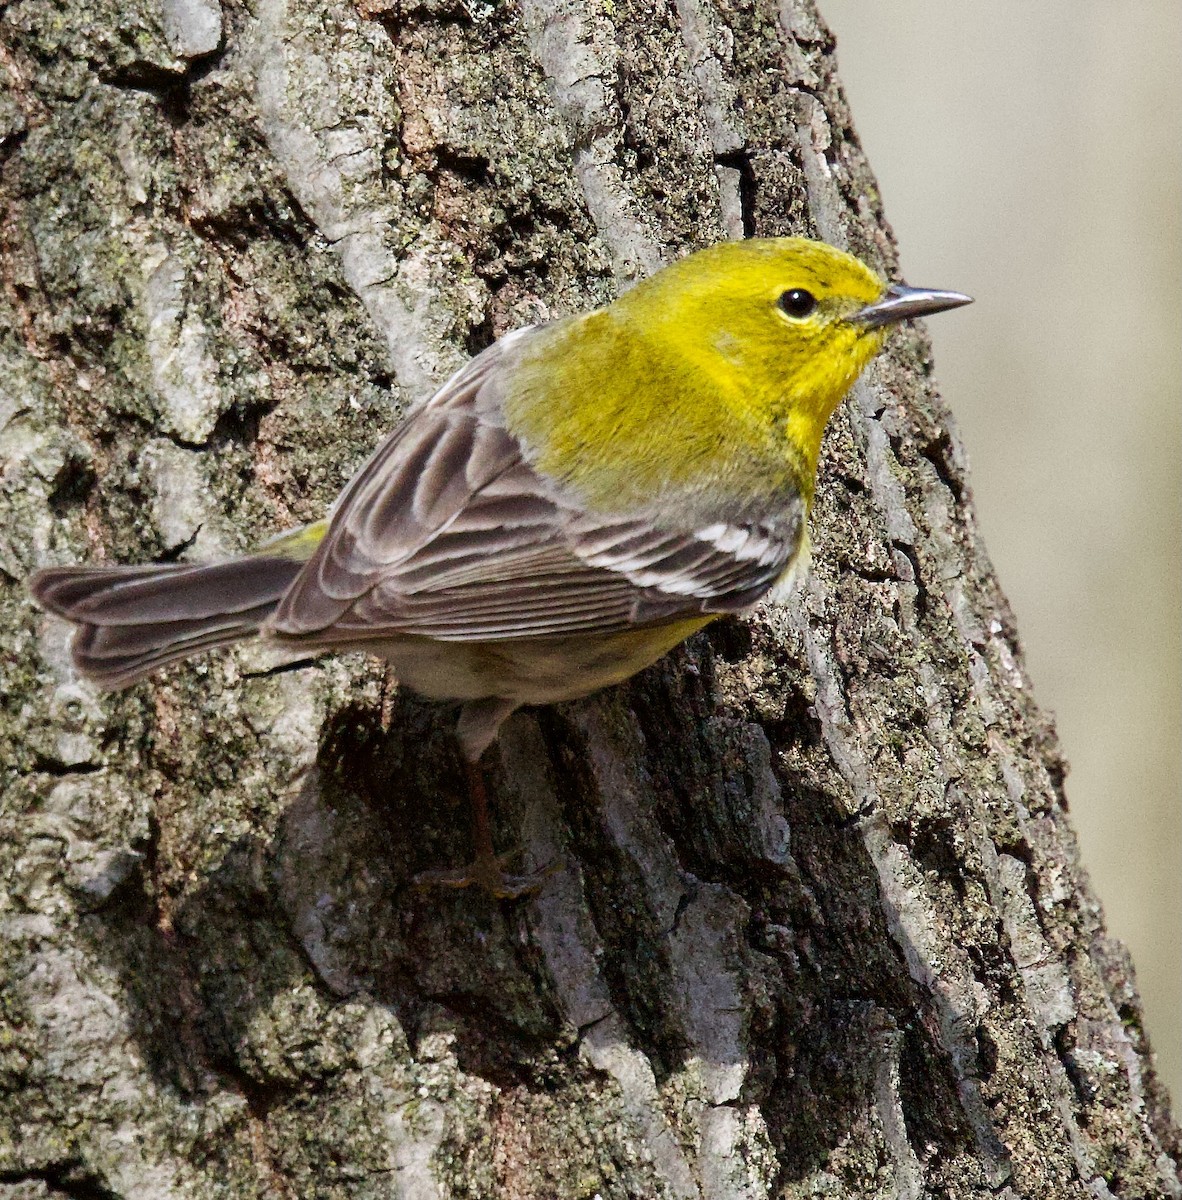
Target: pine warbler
[572, 504]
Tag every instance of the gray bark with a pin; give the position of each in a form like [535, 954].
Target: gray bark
[821, 928]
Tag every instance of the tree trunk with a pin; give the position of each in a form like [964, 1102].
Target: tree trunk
[821, 928]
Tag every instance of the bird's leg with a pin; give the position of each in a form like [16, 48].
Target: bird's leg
[482, 838]
[488, 868]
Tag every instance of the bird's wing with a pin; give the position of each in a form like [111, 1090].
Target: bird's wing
[449, 533]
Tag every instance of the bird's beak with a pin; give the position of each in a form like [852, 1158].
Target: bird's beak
[900, 302]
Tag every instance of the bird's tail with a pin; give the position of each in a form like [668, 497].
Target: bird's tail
[133, 620]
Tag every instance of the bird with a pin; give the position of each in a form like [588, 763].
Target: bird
[574, 502]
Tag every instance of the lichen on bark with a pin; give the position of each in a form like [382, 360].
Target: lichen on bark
[820, 929]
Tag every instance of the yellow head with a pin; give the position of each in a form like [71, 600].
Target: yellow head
[714, 379]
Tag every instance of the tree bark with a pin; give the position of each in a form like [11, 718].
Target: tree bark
[821, 927]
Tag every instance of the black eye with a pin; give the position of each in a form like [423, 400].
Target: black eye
[798, 302]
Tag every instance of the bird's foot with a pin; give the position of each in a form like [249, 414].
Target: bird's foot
[488, 872]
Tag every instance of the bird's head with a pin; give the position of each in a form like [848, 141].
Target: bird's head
[791, 322]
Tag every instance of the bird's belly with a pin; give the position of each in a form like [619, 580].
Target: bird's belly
[528, 670]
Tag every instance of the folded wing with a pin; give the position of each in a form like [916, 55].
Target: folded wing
[447, 532]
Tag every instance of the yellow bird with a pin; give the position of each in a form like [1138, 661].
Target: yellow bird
[569, 506]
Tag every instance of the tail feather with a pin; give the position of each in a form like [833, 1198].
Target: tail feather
[133, 620]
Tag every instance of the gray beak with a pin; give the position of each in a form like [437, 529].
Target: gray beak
[900, 303]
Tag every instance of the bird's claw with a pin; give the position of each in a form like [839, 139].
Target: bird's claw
[490, 875]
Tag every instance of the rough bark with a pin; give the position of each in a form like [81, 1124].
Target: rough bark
[822, 928]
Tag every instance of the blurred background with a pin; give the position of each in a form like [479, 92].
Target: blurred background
[1031, 155]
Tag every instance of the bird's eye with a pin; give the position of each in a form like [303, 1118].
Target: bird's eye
[798, 303]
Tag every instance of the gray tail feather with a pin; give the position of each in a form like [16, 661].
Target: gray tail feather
[133, 620]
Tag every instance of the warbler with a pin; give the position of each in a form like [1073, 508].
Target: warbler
[573, 503]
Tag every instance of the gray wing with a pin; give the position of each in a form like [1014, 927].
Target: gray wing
[449, 533]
